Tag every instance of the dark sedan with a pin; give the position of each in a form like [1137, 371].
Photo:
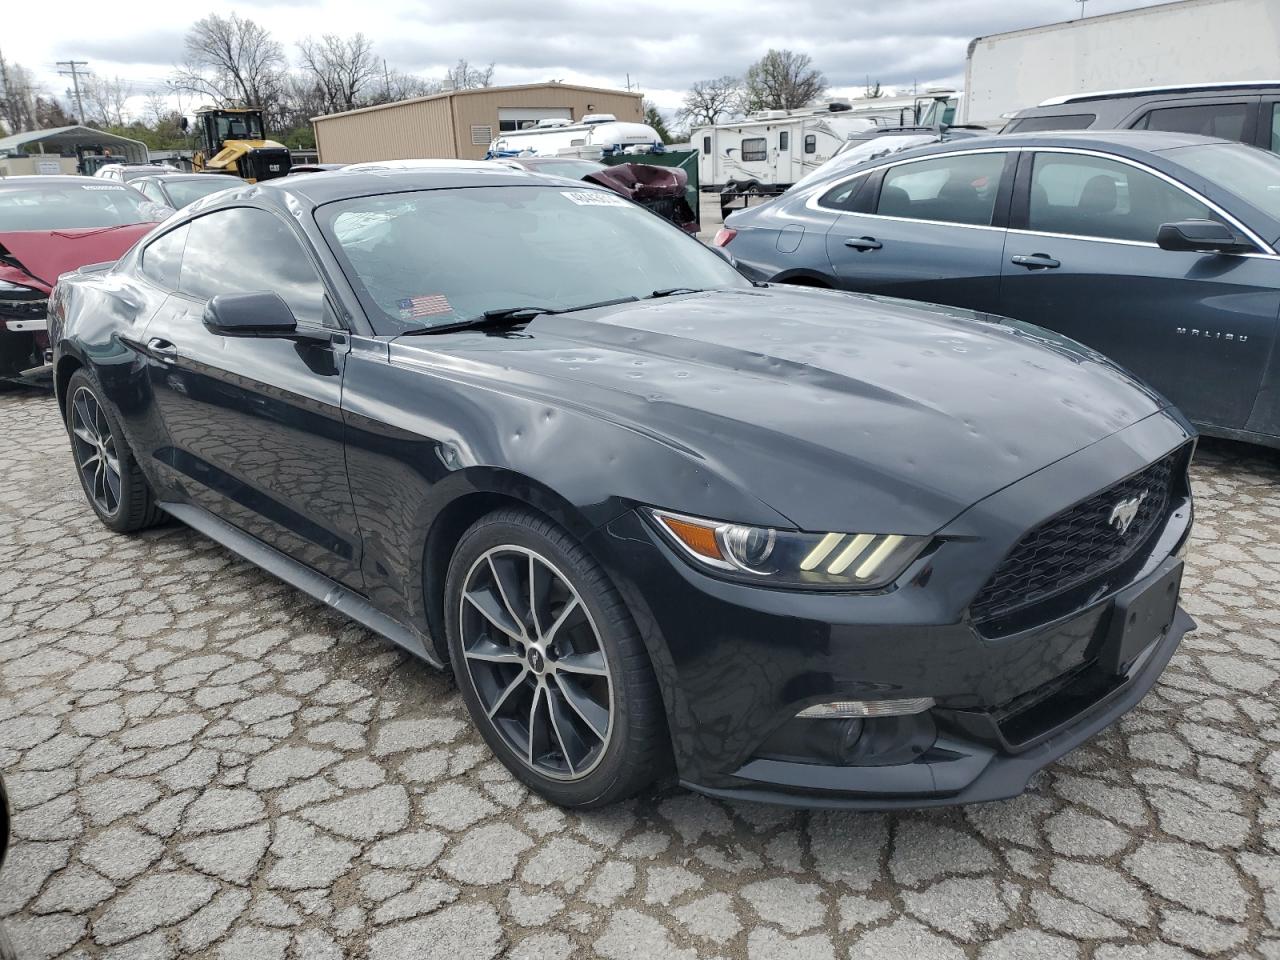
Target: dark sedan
[1158, 249]
[179, 190]
[791, 544]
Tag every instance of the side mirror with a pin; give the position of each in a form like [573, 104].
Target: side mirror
[249, 315]
[1201, 236]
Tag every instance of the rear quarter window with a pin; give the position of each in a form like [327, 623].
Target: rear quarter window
[1067, 121]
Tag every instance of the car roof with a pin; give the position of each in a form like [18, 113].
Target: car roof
[188, 176]
[66, 180]
[325, 187]
[1190, 89]
[1124, 142]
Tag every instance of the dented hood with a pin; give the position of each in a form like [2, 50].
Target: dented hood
[839, 411]
[46, 254]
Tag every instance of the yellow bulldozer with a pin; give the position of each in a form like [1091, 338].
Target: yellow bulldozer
[232, 141]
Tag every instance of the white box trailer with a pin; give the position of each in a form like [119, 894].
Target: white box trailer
[601, 132]
[1186, 42]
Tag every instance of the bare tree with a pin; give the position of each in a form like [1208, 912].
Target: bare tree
[710, 101]
[873, 90]
[466, 77]
[341, 68]
[106, 99]
[783, 80]
[232, 60]
[18, 93]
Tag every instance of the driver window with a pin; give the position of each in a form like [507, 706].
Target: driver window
[1088, 196]
[246, 250]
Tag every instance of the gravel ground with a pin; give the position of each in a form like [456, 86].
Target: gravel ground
[204, 762]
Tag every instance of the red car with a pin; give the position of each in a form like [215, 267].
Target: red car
[48, 226]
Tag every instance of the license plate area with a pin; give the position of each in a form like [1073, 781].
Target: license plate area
[1141, 615]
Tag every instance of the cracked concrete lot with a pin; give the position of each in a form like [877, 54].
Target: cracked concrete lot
[204, 762]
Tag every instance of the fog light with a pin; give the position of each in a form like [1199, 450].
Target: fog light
[868, 708]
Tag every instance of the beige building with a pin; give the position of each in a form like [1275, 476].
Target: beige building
[459, 125]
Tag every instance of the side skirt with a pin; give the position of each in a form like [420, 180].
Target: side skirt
[324, 589]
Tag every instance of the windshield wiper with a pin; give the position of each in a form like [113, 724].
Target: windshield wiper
[505, 315]
[671, 291]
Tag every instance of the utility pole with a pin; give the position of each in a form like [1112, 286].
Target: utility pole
[386, 79]
[1082, 3]
[70, 71]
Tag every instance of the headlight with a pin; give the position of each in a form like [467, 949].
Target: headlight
[849, 561]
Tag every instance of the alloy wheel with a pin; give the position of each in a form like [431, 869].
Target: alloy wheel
[95, 451]
[535, 660]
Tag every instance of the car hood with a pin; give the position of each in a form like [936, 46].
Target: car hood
[839, 411]
[46, 254]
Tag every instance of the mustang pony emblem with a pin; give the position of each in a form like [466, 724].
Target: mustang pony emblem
[1124, 512]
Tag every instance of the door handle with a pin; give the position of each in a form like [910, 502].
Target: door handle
[863, 244]
[1035, 261]
[166, 350]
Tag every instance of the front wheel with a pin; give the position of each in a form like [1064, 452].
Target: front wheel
[550, 664]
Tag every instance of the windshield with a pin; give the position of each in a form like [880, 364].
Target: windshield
[183, 192]
[59, 206]
[436, 257]
[238, 126]
[854, 152]
[574, 169]
[1249, 173]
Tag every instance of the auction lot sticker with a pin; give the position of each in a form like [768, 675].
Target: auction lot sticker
[594, 198]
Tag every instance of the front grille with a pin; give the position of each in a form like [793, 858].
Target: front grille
[1078, 544]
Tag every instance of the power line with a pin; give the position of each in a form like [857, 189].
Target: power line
[70, 71]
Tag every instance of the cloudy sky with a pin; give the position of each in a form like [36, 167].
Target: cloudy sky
[664, 45]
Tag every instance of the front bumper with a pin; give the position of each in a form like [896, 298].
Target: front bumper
[736, 663]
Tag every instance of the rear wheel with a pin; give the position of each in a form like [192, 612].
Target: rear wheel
[550, 664]
[113, 482]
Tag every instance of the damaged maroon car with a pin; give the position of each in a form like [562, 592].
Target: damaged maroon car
[50, 225]
[660, 189]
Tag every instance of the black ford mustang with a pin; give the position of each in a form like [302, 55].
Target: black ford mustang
[801, 545]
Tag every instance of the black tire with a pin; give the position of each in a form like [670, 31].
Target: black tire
[133, 506]
[637, 751]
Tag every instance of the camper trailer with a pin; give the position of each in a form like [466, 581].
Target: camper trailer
[601, 132]
[770, 150]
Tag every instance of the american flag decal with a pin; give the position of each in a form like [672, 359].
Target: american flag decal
[411, 307]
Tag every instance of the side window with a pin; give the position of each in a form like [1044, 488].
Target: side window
[1095, 197]
[1225, 120]
[754, 148]
[1066, 121]
[244, 250]
[842, 195]
[1275, 128]
[706, 144]
[948, 189]
[162, 258]
[810, 143]
[784, 140]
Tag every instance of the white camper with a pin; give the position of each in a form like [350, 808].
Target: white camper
[556, 137]
[1170, 44]
[770, 150]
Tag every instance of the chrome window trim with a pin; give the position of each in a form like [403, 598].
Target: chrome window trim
[1262, 245]
[812, 202]
[1265, 250]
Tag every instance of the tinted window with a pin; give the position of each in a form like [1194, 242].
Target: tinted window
[784, 140]
[162, 259]
[810, 143]
[949, 189]
[706, 144]
[1094, 197]
[1070, 121]
[1225, 120]
[558, 246]
[185, 192]
[1275, 128]
[841, 196]
[250, 251]
[60, 205]
[754, 148]
[1247, 172]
